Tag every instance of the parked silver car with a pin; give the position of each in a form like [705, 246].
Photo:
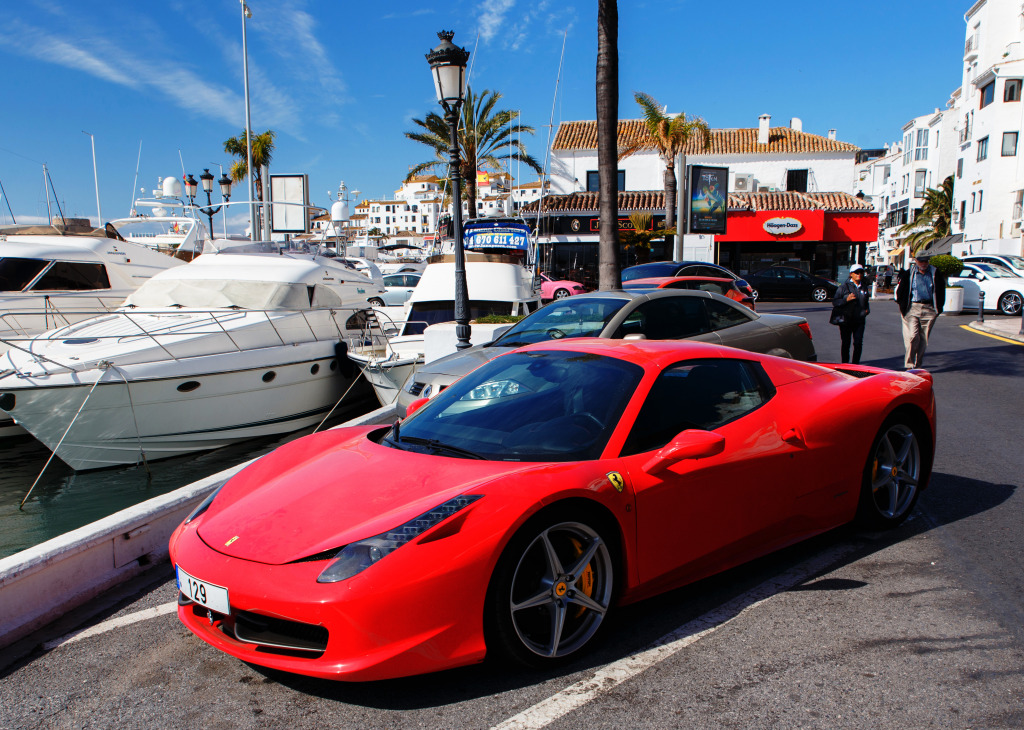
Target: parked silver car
[657, 314]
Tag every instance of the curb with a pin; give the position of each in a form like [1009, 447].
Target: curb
[1011, 334]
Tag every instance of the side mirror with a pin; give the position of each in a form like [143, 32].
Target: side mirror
[415, 406]
[690, 444]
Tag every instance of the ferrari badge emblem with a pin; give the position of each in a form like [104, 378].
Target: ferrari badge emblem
[231, 541]
[616, 479]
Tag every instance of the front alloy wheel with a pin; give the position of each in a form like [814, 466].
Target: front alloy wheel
[819, 294]
[555, 588]
[1010, 303]
[892, 477]
[562, 293]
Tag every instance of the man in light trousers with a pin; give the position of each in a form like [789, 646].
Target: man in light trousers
[920, 293]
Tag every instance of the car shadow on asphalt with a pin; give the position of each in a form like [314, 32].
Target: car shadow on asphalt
[634, 628]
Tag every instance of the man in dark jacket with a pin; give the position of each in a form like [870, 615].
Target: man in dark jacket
[852, 300]
[920, 293]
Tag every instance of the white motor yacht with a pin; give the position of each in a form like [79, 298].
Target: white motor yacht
[58, 275]
[228, 347]
[499, 282]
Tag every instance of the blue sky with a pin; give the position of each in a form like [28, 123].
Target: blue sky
[341, 81]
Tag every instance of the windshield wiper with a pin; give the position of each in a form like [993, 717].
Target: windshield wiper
[438, 446]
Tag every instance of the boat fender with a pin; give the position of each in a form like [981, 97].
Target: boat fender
[346, 368]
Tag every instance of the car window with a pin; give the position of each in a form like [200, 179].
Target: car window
[572, 317]
[967, 274]
[394, 280]
[722, 315]
[703, 394]
[666, 318]
[411, 280]
[709, 271]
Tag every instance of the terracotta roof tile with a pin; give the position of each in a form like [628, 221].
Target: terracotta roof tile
[654, 201]
[583, 136]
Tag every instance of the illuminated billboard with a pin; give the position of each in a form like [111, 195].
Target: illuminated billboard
[709, 197]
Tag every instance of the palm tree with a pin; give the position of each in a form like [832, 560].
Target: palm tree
[262, 153]
[486, 139]
[607, 93]
[669, 135]
[933, 220]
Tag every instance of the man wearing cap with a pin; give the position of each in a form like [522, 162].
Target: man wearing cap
[920, 293]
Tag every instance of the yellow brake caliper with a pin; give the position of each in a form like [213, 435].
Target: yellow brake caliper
[585, 584]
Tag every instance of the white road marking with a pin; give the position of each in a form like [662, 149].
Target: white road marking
[614, 674]
[111, 624]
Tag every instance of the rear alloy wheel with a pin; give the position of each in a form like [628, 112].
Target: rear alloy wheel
[1010, 303]
[892, 476]
[552, 590]
[376, 302]
[819, 294]
[562, 293]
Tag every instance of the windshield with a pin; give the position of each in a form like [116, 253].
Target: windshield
[572, 317]
[525, 406]
[1016, 262]
[15, 274]
[997, 272]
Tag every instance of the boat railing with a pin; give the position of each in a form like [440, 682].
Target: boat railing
[53, 316]
[380, 327]
[176, 331]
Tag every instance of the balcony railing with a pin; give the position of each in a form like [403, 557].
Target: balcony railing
[971, 46]
[1017, 211]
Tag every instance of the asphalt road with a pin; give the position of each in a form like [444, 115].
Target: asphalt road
[918, 627]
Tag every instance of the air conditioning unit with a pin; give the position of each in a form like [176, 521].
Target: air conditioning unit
[743, 183]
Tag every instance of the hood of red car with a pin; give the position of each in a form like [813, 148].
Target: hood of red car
[324, 491]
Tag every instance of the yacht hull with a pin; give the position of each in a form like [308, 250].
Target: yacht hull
[387, 376]
[199, 408]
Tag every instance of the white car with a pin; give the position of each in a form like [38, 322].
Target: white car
[1003, 289]
[399, 288]
[1011, 262]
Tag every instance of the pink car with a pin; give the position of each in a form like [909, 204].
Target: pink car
[558, 289]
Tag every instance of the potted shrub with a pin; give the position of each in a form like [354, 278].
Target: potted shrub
[948, 266]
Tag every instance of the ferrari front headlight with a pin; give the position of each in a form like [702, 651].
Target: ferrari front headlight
[205, 504]
[357, 557]
[496, 389]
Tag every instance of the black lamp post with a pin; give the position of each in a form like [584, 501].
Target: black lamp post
[207, 179]
[448, 65]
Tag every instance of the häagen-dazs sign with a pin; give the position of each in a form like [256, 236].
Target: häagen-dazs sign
[782, 226]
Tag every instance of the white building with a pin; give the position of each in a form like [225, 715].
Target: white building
[990, 122]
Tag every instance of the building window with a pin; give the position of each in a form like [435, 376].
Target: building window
[960, 168]
[974, 198]
[982, 148]
[1011, 91]
[988, 93]
[920, 183]
[921, 151]
[908, 146]
[963, 213]
[981, 195]
[1009, 144]
[593, 182]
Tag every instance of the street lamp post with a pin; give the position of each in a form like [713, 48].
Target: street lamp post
[207, 179]
[448, 65]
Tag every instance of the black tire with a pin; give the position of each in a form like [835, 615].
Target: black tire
[819, 294]
[542, 574]
[376, 302]
[562, 293]
[1010, 303]
[896, 470]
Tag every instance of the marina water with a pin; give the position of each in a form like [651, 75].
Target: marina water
[65, 500]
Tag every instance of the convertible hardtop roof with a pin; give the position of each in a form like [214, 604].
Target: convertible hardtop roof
[659, 354]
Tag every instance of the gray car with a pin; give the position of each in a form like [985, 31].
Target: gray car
[658, 314]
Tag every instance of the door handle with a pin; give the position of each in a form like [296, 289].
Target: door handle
[793, 436]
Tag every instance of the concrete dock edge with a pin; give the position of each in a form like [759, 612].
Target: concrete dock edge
[41, 584]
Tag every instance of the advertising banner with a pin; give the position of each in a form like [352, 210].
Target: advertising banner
[709, 191]
[290, 196]
[497, 234]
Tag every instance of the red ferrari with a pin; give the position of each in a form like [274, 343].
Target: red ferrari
[510, 514]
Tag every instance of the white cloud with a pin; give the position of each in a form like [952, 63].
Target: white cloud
[492, 17]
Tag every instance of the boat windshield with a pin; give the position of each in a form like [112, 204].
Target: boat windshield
[227, 293]
[423, 314]
[16, 274]
[525, 406]
[570, 317]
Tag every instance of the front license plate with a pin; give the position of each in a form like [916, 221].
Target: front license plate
[205, 594]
